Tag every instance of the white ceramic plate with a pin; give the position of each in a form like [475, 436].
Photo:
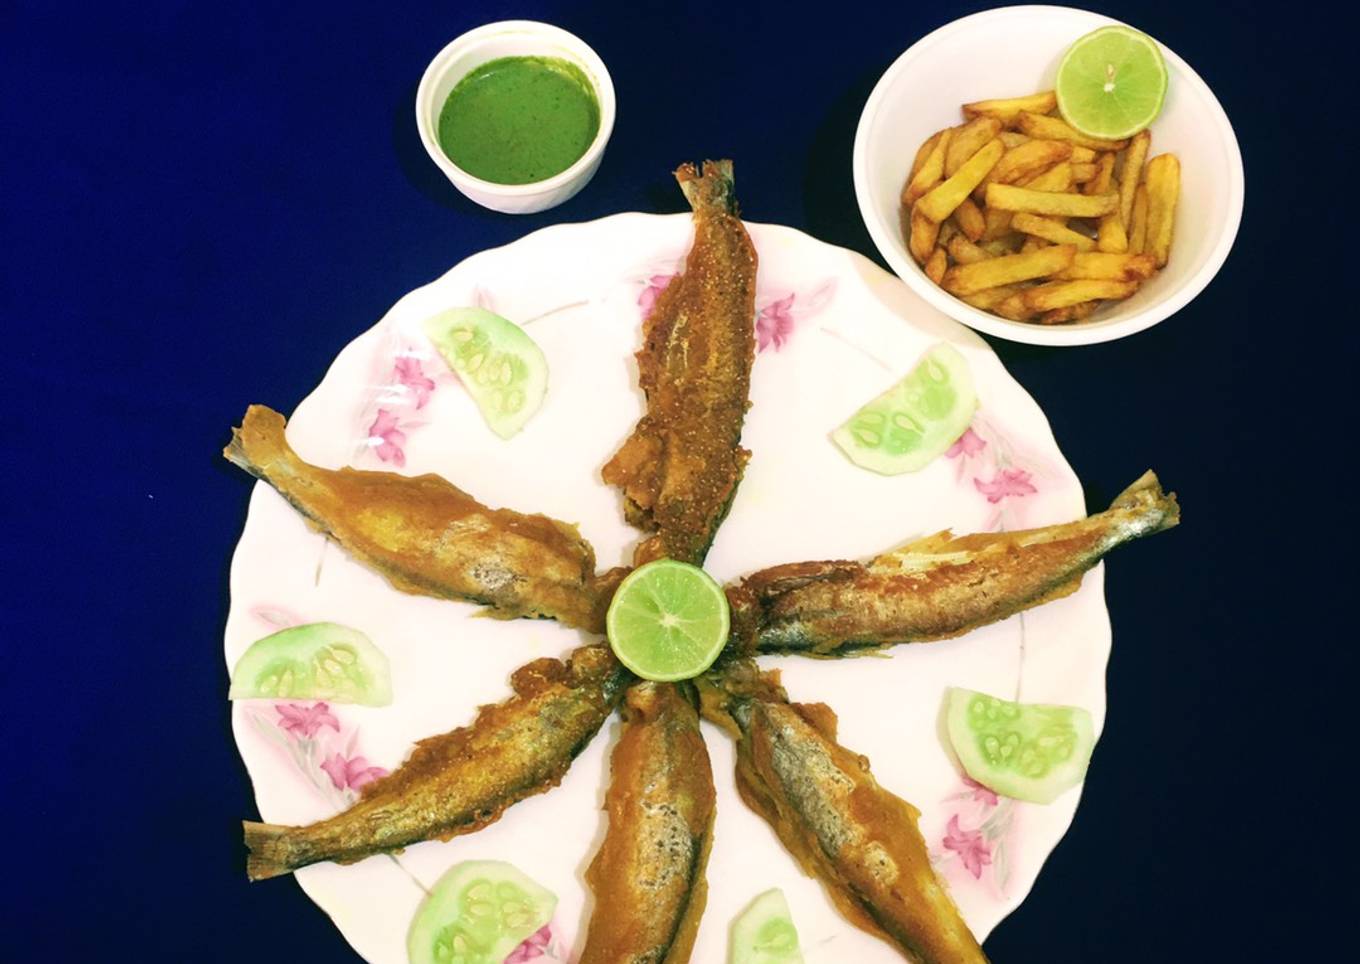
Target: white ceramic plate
[835, 330]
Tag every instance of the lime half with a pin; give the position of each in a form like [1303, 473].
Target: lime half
[668, 621]
[1111, 82]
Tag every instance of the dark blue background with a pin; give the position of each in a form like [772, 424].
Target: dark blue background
[201, 204]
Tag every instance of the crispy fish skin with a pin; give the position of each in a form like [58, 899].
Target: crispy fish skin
[649, 872]
[680, 467]
[937, 587]
[461, 781]
[859, 840]
[428, 537]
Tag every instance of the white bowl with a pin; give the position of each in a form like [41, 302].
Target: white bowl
[1012, 51]
[512, 38]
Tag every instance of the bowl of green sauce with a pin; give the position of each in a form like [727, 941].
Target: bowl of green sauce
[516, 114]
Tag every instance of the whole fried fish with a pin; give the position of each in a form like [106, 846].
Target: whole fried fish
[648, 876]
[461, 781]
[680, 468]
[428, 537]
[854, 836]
[937, 587]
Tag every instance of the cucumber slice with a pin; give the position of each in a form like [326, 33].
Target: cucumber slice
[764, 933]
[914, 421]
[477, 913]
[318, 661]
[501, 367]
[1030, 751]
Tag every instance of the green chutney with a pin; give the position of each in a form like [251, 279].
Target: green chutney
[516, 120]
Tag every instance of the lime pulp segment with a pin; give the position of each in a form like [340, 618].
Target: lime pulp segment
[668, 621]
[1111, 83]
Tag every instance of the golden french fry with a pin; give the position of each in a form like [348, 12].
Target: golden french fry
[1100, 266]
[941, 200]
[922, 153]
[924, 234]
[1050, 230]
[1138, 227]
[1132, 174]
[1038, 126]
[947, 230]
[970, 219]
[966, 279]
[1103, 181]
[1060, 294]
[1007, 109]
[964, 251]
[1032, 244]
[1008, 243]
[1062, 316]
[1027, 160]
[1110, 235]
[991, 297]
[1014, 308]
[936, 265]
[1082, 155]
[998, 224]
[1008, 197]
[1082, 173]
[968, 140]
[1012, 138]
[1163, 189]
[1059, 178]
[932, 169]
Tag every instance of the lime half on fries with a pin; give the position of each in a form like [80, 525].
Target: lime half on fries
[1112, 82]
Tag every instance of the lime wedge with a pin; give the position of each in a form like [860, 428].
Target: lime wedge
[668, 621]
[1111, 82]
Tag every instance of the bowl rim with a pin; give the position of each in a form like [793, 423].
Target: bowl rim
[906, 268]
[596, 72]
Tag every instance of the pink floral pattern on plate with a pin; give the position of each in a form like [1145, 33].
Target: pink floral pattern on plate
[543, 945]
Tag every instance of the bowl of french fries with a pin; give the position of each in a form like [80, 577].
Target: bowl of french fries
[999, 213]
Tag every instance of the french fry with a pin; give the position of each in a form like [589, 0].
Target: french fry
[1082, 155]
[1008, 109]
[931, 172]
[947, 230]
[966, 279]
[1027, 160]
[1057, 178]
[1008, 197]
[964, 251]
[922, 153]
[1032, 244]
[1138, 227]
[1009, 243]
[924, 234]
[1163, 189]
[1100, 266]
[1110, 235]
[970, 219]
[1062, 316]
[1050, 230]
[1132, 174]
[991, 297]
[968, 140]
[1012, 138]
[1061, 294]
[1015, 308]
[941, 200]
[1082, 173]
[1103, 181]
[1039, 126]
[936, 265]
[998, 224]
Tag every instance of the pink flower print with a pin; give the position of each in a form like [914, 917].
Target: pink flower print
[968, 445]
[1008, 482]
[774, 324]
[408, 373]
[535, 945]
[304, 721]
[386, 438]
[352, 773]
[655, 285]
[981, 794]
[969, 845]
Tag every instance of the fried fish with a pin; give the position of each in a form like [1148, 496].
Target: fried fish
[937, 587]
[680, 467]
[461, 781]
[843, 828]
[428, 537]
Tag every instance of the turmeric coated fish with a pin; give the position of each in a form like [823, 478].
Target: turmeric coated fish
[648, 876]
[937, 587]
[461, 781]
[430, 538]
[680, 467]
[858, 839]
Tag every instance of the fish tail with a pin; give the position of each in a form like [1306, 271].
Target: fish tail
[259, 443]
[714, 188]
[1146, 507]
[270, 854]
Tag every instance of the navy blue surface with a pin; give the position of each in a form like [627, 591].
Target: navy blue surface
[200, 204]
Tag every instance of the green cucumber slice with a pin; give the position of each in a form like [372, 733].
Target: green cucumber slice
[916, 420]
[477, 913]
[1029, 751]
[764, 933]
[501, 367]
[318, 661]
